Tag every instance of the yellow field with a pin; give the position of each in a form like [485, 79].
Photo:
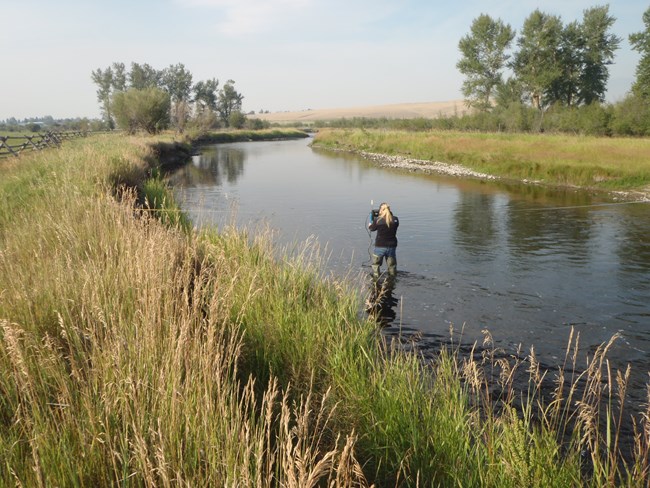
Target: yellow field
[392, 111]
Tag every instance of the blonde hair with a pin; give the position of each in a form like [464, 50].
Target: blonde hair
[386, 214]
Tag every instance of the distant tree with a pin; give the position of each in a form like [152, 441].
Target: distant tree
[178, 83]
[599, 46]
[537, 63]
[144, 76]
[104, 81]
[229, 101]
[203, 100]
[566, 88]
[640, 42]
[119, 77]
[483, 59]
[205, 95]
[146, 109]
[109, 81]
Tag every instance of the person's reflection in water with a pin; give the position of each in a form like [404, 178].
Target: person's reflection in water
[381, 303]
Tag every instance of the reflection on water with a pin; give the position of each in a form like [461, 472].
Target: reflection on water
[526, 262]
[213, 166]
[381, 303]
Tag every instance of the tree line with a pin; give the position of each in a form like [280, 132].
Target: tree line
[145, 98]
[556, 69]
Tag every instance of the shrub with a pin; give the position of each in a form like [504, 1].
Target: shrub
[146, 109]
[631, 117]
[237, 119]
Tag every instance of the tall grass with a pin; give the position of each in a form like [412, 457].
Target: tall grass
[134, 351]
[121, 345]
[594, 162]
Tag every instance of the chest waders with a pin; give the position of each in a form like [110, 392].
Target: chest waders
[391, 262]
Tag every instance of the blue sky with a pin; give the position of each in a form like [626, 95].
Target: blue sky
[282, 54]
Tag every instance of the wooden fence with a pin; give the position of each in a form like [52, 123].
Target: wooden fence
[14, 145]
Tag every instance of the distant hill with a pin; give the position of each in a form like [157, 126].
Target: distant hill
[392, 111]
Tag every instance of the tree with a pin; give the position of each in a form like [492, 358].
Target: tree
[640, 42]
[109, 81]
[483, 59]
[178, 83]
[566, 88]
[229, 101]
[599, 48]
[205, 95]
[119, 77]
[104, 82]
[144, 76]
[537, 63]
[146, 109]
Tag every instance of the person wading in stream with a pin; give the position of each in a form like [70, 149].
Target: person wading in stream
[386, 224]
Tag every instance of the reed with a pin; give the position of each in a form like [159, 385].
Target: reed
[592, 162]
[135, 351]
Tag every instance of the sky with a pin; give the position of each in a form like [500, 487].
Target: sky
[283, 55]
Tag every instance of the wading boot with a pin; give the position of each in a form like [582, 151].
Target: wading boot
[376, 263]
[392, 266]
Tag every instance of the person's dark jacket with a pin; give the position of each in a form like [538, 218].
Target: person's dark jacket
[386, 236]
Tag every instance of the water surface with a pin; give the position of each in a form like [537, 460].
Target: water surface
[524, 262]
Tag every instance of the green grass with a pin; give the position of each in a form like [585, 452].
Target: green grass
[590, 162]
[249, 135]
[135, 351]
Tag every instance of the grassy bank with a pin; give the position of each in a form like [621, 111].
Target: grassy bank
[134, 351]
[249, 135]
[589, 162]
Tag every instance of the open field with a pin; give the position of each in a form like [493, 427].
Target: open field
[392, 111]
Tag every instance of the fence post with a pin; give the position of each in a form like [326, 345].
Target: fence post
[47, 139]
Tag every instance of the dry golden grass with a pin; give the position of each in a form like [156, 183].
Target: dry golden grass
[391, 111]
[581, 161]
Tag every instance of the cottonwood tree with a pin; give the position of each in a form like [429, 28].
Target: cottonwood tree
[640, 42]
[109, 81]
[599, 46]
[119, 77]
[205, 103]
[566, 88]
[205, 95]
[144, 76]
[104, 81]
[537, 64]
[483, 59]
[229, 101]
[178, 83]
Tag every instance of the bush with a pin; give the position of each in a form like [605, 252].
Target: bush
[593, 119]
[236, 120]
[146, 109]
[631, 117]
[257, 124]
